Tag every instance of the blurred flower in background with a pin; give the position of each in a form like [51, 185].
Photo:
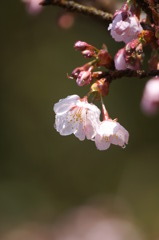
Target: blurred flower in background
[89, 222]
[150, 99]
[33, 6]
[30, 231]
[66, 20]
[93, 223]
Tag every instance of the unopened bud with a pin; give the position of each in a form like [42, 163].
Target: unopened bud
[81, 46]
[77, 70]
[88, 53]
[84, 77]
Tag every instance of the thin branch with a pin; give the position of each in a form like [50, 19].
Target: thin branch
[75, 7]
[147, 7]
[112, 75]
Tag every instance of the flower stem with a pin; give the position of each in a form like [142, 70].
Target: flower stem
[104, 111]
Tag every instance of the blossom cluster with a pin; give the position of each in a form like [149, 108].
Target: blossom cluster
[137, 33]
[75, 115]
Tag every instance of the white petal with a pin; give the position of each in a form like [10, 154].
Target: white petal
[101, 142]
[65, 104]
[80, 133]
[63, 126]
[90, 129]
[120, 136]
[109, 132]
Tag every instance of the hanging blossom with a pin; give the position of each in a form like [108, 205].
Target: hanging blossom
[33, 6]
[150, 99]
[76, 116]
[110, 132]
[125, 26]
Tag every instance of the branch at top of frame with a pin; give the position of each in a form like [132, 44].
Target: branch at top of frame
[76, 7]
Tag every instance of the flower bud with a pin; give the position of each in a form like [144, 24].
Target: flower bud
[84, 78]
[76, 72]
[88, 53]
[81, 46]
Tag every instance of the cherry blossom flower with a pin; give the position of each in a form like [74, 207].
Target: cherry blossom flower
[125, 26]
[76, 116]
[150, 99]
[33, 6]
[96, 223]
[111, 132]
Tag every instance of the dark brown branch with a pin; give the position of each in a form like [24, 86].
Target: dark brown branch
[75, 7]
[112, 75]
[147, 7]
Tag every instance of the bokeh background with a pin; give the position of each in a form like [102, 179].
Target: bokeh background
[44, 175]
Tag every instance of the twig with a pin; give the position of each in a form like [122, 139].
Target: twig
[75, 7]
[112, 75]
[150, 10]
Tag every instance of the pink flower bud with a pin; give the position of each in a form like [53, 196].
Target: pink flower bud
[119, 60]
[76, 72]
[88, 53]
[150, 99]
[81, 46]
[84, 77]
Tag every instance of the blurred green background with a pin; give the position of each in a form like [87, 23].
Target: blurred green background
[43, 174]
